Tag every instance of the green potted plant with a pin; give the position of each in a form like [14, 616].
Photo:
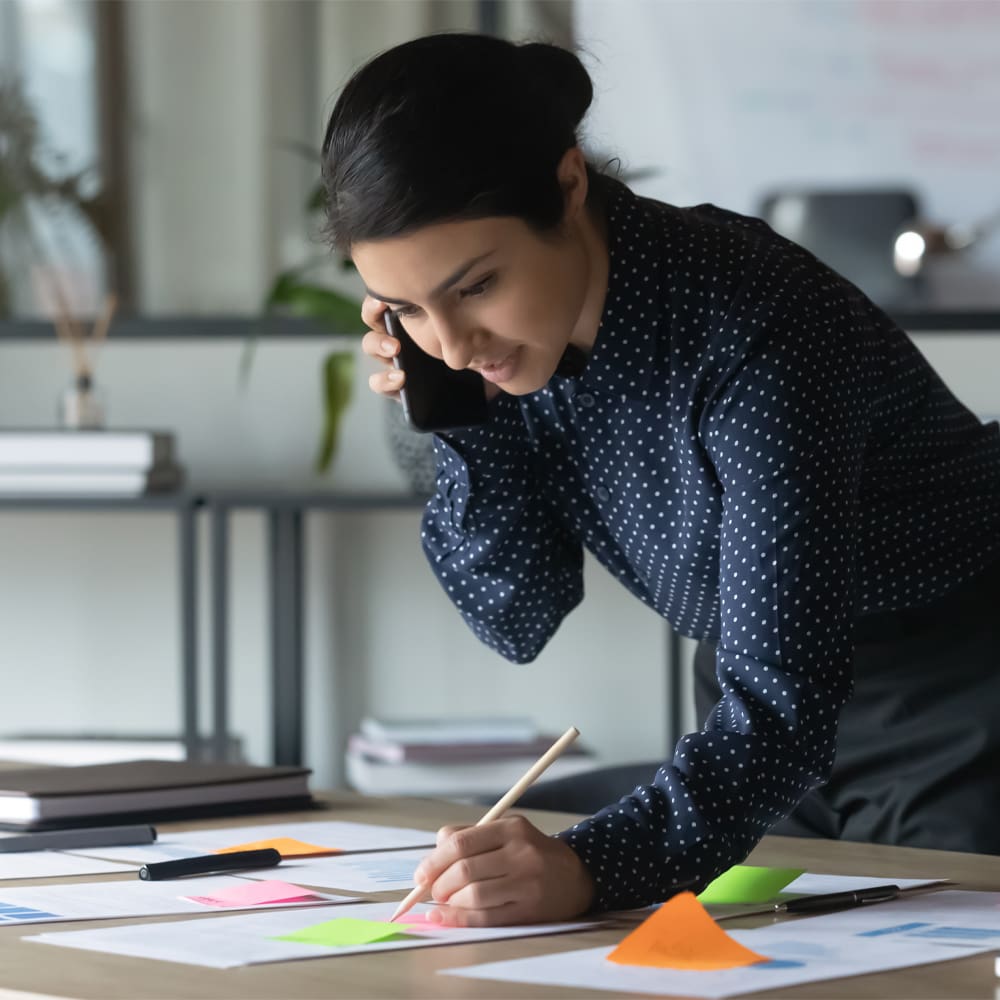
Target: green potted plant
[296, 291]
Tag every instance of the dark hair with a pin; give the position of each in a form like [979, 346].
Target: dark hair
[451, 126]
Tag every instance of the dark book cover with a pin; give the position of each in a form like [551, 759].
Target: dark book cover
[40, 797]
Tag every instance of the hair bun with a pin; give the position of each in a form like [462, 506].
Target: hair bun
[561, 77]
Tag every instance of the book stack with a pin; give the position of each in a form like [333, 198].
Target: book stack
[451, 757]
[124, 463]
[148, 789]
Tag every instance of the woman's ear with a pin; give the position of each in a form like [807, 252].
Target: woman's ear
[573, 182]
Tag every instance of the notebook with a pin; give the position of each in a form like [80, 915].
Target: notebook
[150, 789]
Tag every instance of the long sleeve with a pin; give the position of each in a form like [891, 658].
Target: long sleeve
[785, 435]
[493, 541]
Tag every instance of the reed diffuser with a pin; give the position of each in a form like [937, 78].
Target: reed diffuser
[82, 404]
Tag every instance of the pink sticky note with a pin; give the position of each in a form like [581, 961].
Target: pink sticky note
[258, 894]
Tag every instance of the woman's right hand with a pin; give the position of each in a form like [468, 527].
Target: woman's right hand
[377, 344]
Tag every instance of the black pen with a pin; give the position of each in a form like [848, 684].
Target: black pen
[67, 840]
[205, 864]
[838, 900]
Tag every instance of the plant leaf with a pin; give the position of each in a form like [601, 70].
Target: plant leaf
[338, 380]
[303, 298]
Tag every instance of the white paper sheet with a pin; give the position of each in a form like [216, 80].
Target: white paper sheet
[810, 885]
[106, 900]
[229, 942]
[6, 994]
[800, 951]
[346, 837]
[949, 917]
[54, 864]
[379, 871]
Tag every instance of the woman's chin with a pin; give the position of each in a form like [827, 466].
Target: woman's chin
[523, 386]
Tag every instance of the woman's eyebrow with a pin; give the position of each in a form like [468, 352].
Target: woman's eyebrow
[440, 289]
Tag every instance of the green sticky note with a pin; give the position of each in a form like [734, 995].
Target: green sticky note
[346, 931]
[748, 884]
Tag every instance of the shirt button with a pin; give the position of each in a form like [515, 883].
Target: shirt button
[603, 494]
[585, 399]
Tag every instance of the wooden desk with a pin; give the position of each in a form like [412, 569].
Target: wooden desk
[79, 974]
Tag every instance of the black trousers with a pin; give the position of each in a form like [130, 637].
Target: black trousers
[918, 750]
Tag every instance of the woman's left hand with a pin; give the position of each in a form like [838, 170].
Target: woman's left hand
[504, 872]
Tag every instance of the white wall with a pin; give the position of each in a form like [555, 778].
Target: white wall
[199, 154]
[730, 99]
[969, 364]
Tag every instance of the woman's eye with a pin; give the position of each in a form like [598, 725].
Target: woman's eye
[400, 312]
[478, 288]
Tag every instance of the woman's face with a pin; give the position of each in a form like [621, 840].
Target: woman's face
[488, 294]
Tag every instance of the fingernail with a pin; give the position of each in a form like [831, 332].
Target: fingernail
[395, 376]
[388, 346]
[433, 917]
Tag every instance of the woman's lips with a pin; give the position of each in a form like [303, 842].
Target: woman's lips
[500, 371]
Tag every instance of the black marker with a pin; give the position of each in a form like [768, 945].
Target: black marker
[207, 863]
[839, 900]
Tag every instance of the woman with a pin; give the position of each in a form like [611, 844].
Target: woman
[751, 447]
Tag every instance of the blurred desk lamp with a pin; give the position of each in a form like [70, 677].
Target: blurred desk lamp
[850, 229]
[919, 240]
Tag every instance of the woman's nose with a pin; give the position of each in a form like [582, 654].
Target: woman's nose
[456, 342]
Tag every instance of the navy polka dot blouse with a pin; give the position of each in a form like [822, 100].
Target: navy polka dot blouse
[758, 453]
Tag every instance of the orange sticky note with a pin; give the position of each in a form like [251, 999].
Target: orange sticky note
[287, 847]
[681, 935]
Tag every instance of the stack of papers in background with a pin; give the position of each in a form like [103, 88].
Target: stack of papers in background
[60, 750]
[87, 462]
[451, 757]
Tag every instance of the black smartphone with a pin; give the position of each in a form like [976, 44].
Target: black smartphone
[435, 397]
